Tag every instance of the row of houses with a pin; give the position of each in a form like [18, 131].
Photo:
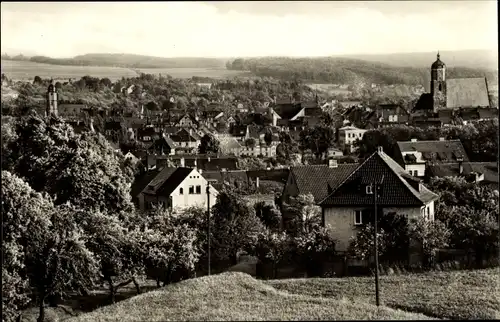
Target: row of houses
[343, 191]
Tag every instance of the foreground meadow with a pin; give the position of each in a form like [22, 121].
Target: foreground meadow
[237, 296]
[446, 295]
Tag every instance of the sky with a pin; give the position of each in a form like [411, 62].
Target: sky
[246, 29]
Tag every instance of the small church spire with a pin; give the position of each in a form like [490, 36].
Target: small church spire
[438, 55]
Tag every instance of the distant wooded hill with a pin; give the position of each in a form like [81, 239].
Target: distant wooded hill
[404, 68]
[339, 70]
[125, 60]
[485, 59]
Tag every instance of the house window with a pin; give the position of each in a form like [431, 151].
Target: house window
[415, 173]
[390, 118]
[440, 87]
[191, 190]
[358, 217]
[181, 191]
[369, 189]
[198, 190]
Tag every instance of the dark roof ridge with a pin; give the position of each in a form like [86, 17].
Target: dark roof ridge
[348, 177]
[400, 176]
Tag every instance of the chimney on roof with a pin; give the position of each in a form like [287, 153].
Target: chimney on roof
[333, 163]
[183, 162]
[413, 140]
[441, 139]
[257, 182]
[460, 166]
[380, 149]
[195, 163]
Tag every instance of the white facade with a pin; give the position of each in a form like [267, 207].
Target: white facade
[348, 135]
[190, 192]
[416, 169]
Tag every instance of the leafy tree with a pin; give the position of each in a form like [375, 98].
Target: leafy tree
[120, 253]
[430, 235]
[361, 246]
[209, 144]
[105, 82]
[169, 248]
[52, 158]
[303, 215]
[268, 137]
[151, 106]
[269, 216]
[24, 221]
[60, 263]
[250, 142]
[318, 139]
[55, 258]
[271, 248]
[313, 249]
[235, 226]
[287, 146]
[37, 80]
[473, 229]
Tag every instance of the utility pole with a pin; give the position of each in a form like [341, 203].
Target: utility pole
[377, 189]
[377, 299]
[208, 219]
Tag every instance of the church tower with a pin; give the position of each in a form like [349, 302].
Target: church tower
[51, 100]
[438, 84]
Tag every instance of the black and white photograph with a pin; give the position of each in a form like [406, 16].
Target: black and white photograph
[250, 161]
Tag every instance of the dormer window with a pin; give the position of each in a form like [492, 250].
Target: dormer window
[369, 189]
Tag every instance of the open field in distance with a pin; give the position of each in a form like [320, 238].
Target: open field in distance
[26, 70]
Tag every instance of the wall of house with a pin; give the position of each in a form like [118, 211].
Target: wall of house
[341, 222]
[188, 200]
[420, 168]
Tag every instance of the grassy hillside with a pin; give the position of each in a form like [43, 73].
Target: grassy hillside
[233, 297]
[348, 71]
[483, 59]
[448, 295]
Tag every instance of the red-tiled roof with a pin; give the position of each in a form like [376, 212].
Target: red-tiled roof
[287, 111]
[399, 188]
[315, 179]
[167, 180]
[141, 182]
[436, 151]
[466, 92]
[489, 169]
